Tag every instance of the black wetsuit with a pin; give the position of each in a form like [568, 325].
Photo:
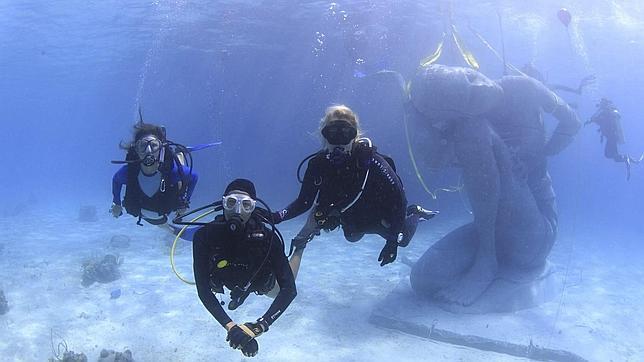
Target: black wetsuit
[380, 209]
[609, 122]
[232, 260]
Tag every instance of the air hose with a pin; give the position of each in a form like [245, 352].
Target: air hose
[174, 246]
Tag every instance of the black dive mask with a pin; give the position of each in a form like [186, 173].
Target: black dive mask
[149, 150]
[339, 132]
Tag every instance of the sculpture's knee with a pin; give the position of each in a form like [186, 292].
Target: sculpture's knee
[445, 262]
[431, 273]
[423, 281]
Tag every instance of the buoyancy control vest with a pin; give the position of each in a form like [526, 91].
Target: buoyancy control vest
[168, 196]
[242, 263]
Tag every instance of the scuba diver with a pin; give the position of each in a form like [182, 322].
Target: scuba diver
[608, 119]
[349, 184]
[530, 70]
[156, 178]
[238, 251]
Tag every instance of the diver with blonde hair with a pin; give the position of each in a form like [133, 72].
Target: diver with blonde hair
[350, 185]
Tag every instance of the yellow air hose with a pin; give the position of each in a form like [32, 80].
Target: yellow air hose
[174, 246]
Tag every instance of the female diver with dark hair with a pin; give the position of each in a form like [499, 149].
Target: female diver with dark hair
[156, 178]
[349, 184]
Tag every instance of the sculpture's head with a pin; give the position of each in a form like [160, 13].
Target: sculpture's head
[444, 94]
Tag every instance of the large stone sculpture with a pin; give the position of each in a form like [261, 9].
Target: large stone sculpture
[494, 131]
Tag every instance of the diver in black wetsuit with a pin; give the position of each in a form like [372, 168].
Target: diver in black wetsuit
[355, 187]
[608, 119]
[238, 251]
[530, 70]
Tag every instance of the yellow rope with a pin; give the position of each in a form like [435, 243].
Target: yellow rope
[432, 194]
[465, 53]
[174, 246]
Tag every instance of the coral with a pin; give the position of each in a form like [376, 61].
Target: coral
[112, 356]
[103, 271]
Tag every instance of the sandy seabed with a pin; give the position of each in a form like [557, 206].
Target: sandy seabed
[159, 318]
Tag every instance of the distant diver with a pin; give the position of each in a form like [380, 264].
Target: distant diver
[157, 175]
[242, 251]
[351, 185]
[608, 119]
[530, 70]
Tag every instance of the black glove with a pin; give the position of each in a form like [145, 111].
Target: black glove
[388, 253]
[237, 337]
[258, 327]
[250, 349]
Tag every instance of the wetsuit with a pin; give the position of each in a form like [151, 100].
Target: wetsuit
[608, 119]
[232, 260]
[379, 209]
[153, 197]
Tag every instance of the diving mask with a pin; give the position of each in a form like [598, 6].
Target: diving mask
[238, 207]
[148, 148]
[339, 132]
[147, 144]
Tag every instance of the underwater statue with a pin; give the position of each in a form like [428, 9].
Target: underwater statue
[493, 131]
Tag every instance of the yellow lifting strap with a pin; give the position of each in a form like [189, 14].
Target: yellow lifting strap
[467, 55]
[432, 58]
[419, 176]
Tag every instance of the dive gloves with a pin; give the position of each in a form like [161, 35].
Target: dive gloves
[243, 336]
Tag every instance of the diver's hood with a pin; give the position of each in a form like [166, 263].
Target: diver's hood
[444, 93]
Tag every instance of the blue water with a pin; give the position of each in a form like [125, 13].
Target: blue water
[257, 76]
